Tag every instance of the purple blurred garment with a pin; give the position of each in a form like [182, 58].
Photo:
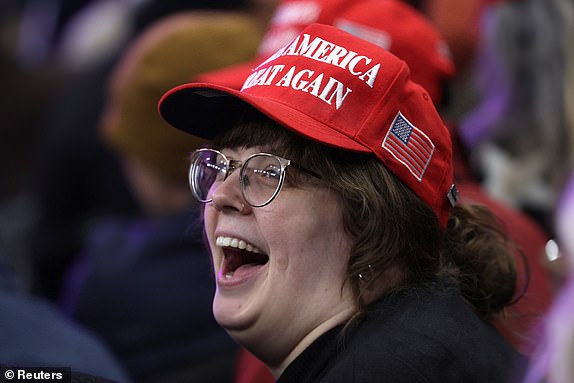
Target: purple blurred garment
[493, 84]
[146, 287]
[34, 333]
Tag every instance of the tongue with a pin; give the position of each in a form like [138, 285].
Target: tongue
[239, 259]
[245, 270]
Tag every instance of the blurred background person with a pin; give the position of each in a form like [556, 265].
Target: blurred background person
[32, 331]
[520, 134]
[144, 283]
[35, 334]
[22, 109]
[76, 178]
[553, 362]
[514, 102]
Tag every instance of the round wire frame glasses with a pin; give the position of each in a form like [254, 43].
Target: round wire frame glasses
[261, 175]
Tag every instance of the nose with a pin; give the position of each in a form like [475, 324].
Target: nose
[227, 195]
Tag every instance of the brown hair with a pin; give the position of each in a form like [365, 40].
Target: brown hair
[390, 227]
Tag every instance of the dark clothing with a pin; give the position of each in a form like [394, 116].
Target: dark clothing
[423, 334]
[33, 333]
[76, 179]
[146, 287]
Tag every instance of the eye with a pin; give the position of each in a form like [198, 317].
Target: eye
[218, 169]
[270, 174]
[270, 171]
[267, 175]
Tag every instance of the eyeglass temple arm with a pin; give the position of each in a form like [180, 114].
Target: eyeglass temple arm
[310, 172]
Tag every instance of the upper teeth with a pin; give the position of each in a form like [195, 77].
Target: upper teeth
[236, 243]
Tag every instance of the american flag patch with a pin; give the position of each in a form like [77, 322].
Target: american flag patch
[409, 146]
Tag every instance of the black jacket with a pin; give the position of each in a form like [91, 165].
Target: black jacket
[424, 333]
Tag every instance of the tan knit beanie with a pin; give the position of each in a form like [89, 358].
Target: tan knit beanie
[170, 52]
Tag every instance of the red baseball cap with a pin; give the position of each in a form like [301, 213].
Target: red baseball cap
[289, 19]
[391, 24]
[337, 89]
[405, 32]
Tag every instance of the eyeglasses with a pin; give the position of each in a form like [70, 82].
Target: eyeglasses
[261, 176]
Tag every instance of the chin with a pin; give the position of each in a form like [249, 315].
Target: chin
[231, 315]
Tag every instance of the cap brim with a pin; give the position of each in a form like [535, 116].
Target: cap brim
[207, 110]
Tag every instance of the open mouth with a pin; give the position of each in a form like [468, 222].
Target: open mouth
[239, 256]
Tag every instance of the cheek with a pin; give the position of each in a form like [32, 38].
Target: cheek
[311, 238]
[209, 222]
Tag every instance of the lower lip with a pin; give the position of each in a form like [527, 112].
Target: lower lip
[241, 276]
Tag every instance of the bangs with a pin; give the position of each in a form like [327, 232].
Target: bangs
[257, 130]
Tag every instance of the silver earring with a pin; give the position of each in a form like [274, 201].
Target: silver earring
[362, 276]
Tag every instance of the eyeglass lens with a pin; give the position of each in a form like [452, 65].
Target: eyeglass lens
[260, 176]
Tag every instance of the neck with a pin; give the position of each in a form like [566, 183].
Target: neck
[339, 319]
